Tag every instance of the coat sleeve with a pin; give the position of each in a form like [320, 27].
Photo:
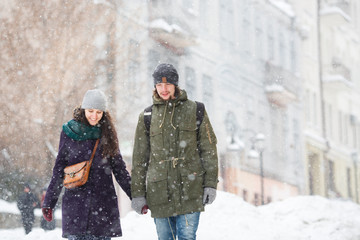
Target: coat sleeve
[208, 152]
[121, 174]
[56, 183]
[140, 160]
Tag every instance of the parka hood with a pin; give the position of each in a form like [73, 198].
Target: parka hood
[172, 102]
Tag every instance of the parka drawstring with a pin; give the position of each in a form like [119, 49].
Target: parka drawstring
[172, 115]
[162, 121]
[171, 118]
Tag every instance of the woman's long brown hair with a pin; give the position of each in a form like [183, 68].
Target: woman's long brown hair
[109, 140]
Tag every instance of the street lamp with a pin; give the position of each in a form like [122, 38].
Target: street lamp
[259, 144]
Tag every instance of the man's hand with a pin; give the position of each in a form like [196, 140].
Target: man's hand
[139, 205]
[48, 214]
[209, 195]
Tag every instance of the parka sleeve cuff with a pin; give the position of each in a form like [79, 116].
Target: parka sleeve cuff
[212, 184]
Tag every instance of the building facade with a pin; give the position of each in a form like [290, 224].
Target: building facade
[241, 59]
[263, 68]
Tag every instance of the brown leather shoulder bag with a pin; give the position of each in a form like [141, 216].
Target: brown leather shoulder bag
[77, 175]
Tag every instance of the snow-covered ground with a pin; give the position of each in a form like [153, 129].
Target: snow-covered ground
[230, 218]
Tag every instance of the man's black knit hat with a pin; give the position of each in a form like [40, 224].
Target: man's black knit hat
[165, 73]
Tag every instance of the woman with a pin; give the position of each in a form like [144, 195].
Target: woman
[89, 211]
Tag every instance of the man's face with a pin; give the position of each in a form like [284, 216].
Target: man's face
[165, 90]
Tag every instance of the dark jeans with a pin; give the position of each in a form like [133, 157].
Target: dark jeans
[182, 226]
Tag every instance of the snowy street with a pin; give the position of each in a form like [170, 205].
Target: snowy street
[297, 218]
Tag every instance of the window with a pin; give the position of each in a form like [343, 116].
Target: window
[346, 128]
[227, 22]
[134, 49]
[270, 43]
[314, 109]
[258, 36]
[203, 13]
[134, 65]
[155, 3]
[282, 57]
[308, 105]
[134, 73]
[251, 107]
[256, 199]
[245, 195]
[262, 123]
[208, 97]
[331, 175]
[297, 144]
[153, 61]
[340, 127]
[330, 121]
[246, 28]
[188, 5]
[190, 82]
[348, 176]
[293, 57]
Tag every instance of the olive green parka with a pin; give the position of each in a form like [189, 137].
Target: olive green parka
[166, 167]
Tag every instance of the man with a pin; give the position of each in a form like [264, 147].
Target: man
[175, 164]
[26, 204]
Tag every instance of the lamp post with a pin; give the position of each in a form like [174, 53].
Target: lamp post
[259, 143]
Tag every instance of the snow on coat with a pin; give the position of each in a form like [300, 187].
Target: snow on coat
[168, 170]
[93, 207]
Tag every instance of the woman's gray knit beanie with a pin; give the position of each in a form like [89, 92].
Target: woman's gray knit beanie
[94, 99]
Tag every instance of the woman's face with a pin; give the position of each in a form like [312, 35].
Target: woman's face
[93, 116]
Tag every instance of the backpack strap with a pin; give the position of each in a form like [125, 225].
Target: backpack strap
[147, 119]
[200, 109]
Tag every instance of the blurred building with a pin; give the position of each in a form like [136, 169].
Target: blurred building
[279, 79]
[284, 69]
[241, 59]
[330, 70]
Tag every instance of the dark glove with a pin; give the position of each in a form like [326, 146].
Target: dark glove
[48, 214]
[209, 195]
[138, 204]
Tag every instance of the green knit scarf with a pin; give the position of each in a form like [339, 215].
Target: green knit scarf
[80, 131]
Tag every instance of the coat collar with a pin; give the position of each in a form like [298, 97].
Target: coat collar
[182, 97]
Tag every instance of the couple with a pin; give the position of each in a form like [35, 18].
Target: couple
[174, 165]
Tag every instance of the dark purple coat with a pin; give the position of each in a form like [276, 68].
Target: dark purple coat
[92, 208]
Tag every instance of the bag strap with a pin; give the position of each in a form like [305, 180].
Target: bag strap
[93, 153]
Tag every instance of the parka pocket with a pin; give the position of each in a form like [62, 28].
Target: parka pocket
[192, 185]
[187, 137]
[157, 191]
[156, 140]
[157, 184]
